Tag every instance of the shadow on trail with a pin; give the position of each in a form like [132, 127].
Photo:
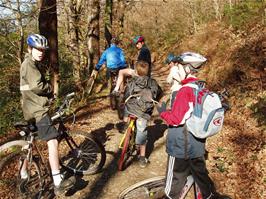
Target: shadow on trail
[109, 171]
[89, 109]
[81, 184]
[155, 132]
[101, 134]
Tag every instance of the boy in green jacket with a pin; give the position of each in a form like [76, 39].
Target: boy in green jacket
[36, 92]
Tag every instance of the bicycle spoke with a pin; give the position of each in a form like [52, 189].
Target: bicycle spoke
[84, 155]
[152, 188]
[11, 185]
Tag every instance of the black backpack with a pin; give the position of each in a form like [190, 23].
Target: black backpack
[146, 90]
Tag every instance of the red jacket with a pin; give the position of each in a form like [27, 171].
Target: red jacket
[183, 105]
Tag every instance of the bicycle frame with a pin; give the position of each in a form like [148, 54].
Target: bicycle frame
[131, 125]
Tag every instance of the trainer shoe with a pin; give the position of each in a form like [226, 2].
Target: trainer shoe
[143, 162]
[64, 186]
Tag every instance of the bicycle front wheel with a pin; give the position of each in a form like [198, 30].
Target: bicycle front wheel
[80, 153]
[152, 188]
[11, 184]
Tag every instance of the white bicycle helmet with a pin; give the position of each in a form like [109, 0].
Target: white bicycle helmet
[37, 41]
[194, 60]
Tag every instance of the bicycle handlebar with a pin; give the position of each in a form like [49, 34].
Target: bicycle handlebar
[63, 107]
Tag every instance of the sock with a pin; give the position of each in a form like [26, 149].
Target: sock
[23, 174]
[57, 177]
[116, 89]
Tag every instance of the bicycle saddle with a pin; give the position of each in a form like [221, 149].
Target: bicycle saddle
[26, 126]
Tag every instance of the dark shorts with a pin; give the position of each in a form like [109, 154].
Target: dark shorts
[46, 131]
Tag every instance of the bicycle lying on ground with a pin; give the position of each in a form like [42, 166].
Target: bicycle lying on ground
[127, 144]
[153, 188]
[79, 153]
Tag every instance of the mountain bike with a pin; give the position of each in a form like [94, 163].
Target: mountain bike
[153, 188]
[79, 153]
[127, 144]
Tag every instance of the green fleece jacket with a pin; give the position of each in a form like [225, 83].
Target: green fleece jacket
[34, 90]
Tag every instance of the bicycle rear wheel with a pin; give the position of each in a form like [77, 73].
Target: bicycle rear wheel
[80, 153]
[11, 184]
[149, 188]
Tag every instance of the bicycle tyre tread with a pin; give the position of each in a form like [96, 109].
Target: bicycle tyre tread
[153, 182]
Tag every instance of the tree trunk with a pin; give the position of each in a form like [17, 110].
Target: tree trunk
[93, 33]
[73, 19]
[108, 21]
[48, 28]
[121, 17]
[21, 31]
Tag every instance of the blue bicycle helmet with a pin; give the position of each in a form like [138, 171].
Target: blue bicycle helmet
[171, 58]
[137, 39]
[37, 41]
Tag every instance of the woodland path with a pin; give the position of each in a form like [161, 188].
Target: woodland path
[236, 160]
[101, 121]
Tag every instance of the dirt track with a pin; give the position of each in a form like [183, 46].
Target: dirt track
[102, 122]
[235, 159]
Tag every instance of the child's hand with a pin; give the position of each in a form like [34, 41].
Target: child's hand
[161, 108]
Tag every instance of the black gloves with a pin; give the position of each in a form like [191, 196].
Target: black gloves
[161, 108]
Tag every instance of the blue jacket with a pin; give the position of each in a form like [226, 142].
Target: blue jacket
[113, 57]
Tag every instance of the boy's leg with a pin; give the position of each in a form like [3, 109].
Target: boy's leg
[176, 175]
[142, 150]
[141, 136]
[47, 132]
[141, 140]
[54, 160]
[201, 177]
[122, 73]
